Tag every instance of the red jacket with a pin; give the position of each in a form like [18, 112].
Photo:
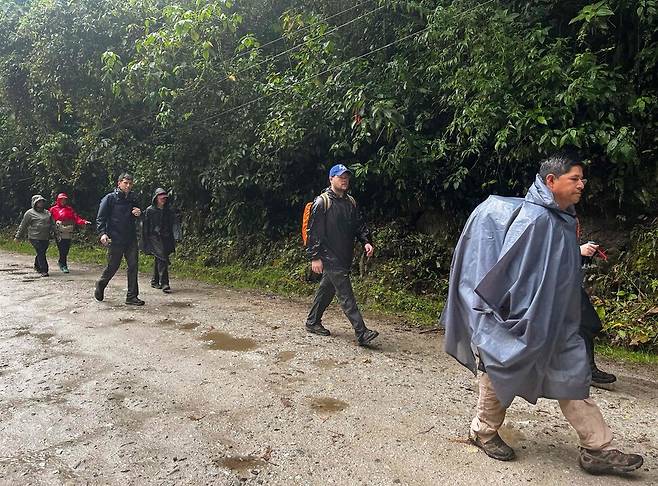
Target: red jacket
[66, 214]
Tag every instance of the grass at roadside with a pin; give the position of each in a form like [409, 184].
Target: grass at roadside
[372, 296]
[622, 354]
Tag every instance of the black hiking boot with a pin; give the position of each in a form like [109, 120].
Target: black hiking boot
[601, 377]
[609, 462]
[367, 336]
[166, 289]
[99, 293]
[134, 301]
[318, 329]
[156, 285]
[495, 448]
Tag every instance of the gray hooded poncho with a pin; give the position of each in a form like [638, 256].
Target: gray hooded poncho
[514, 298]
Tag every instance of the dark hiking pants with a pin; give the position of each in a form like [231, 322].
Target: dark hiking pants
[590, 324]
[63, 245]
[115, 253]
[336, 283]
[40, 262]
[160, 272]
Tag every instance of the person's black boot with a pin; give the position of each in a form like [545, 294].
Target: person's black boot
[156, 285]
[367, 336]
[166, 289]
[134, 301]
[318, 329]
[601, 377]
[99, 293]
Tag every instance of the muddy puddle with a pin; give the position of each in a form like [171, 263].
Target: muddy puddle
[328, 364]
[189, 326]
[225, 342]
[241, 464]
[326, 405]
[285, 356]
[42, 336]
[166, 322]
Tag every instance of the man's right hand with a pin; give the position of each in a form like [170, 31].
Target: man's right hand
[316, 266]
[105, 240]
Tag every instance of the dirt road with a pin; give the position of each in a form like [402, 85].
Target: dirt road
[214, 386]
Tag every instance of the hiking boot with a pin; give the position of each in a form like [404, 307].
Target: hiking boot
[495, 448]
[367, 336]
[62, 267]
[166, 289]
[609, 462]
[156, 285]
[43, 274]
[134, 301]
[318, 329]
[99, 293]
[65, 269]
[602, 377]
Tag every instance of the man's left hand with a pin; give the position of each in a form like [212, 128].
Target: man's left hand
[588, 249]
[369, 249]
[137, 212]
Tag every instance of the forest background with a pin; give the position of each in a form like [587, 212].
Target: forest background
[240, 107]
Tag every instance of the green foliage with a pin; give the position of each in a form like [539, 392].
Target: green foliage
[627, 293]
[239, 109]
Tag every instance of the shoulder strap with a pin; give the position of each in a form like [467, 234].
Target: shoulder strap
[327, 201]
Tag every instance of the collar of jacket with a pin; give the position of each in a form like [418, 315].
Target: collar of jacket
[333, 195]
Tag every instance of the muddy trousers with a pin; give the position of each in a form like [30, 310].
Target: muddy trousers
[63, 245]
[336, 283]
[583, 415]
[40, 262]
[160, 272]
[115, 254]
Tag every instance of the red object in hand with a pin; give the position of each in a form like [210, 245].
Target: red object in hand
[600, 253]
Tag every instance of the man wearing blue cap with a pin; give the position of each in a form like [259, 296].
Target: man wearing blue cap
[334, 224]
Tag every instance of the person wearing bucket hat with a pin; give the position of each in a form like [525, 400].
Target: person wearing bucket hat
[334, 223]
[38, 225]
[65, 219]
[158, 237]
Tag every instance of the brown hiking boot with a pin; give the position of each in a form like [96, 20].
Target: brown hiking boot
[609, 462]
[495, 448]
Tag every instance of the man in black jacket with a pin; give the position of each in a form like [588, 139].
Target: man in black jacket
[334, 223]
[115, 224]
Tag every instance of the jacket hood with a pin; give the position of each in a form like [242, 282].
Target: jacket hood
[36, 198]
[540, 194]
[157, 192]
[60, 198]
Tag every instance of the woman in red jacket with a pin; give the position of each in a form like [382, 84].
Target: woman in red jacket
[65, 220]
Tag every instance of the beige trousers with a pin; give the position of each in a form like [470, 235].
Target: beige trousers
[583, 415]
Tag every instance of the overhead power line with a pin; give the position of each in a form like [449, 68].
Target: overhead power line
[335, 68]
[303, 29]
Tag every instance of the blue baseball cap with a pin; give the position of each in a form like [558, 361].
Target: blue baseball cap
[338, 169]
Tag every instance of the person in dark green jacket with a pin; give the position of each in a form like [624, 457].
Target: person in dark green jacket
[38, 226]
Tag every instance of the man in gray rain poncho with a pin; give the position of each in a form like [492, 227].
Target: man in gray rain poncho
[514, 304]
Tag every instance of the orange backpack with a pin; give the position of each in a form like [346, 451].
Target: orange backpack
[308, 208]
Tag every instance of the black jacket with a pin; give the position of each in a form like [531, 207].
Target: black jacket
[331, 232]
[115, 217]
[158, 229]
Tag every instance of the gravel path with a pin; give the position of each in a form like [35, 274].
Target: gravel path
[214, 386]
